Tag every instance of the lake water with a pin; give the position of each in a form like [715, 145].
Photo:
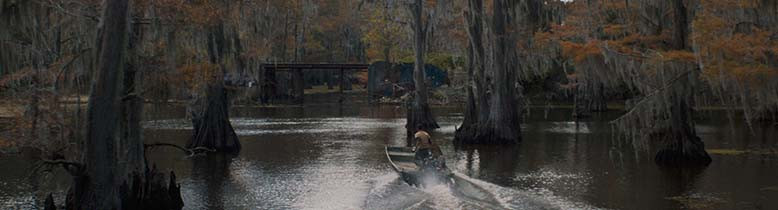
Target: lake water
[332, 157]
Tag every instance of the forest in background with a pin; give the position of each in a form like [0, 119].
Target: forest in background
[561, 49]
[665, 59]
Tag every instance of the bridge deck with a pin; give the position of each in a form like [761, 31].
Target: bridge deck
[314, 66]
[297, 74]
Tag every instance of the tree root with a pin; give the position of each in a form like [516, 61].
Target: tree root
[144, 190]
[484, 134]
[151, 191]
[211, 124]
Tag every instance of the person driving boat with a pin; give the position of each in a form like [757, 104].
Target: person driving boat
[427, 152]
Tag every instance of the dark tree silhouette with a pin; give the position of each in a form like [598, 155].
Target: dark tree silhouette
[419, 112]
[113, 173]
[210, 113]
[502, 125]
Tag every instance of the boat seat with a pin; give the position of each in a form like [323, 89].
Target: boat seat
[407, 166]
[406, 154]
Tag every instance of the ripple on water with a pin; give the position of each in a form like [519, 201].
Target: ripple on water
[570, 127]
[252, 126]
[544, 182]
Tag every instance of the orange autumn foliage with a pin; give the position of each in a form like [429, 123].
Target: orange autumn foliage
[730, 51]
[744, 4]
[580, 52]
[614, 30]
[196, 75]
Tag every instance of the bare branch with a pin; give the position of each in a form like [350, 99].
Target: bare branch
[660, 90]
[65, 67]
[189, 152]
[59, 7]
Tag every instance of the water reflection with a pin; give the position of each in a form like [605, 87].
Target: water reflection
[215, 169]
[332, 157]
[487, 161]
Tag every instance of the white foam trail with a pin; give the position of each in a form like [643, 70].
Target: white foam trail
[442, 197]
[519, 199]
[389, 191]
[501, 201]
[381, 183]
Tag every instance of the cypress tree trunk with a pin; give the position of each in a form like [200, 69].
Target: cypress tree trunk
[96, 187]
[600, 102]
[680, 145]
[471, 111]
[681, 25]
[210, 113]
[130, 139]
[477, 109]
[210, 119]
[142, 187]
[589, 98]
[502, 125]
[419, 112]
[113, 151]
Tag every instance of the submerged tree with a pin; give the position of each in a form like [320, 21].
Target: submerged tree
[502, 122]
[503, 125]
[477, 106]
[665, 116]
[736, 47]
[648, 56]
[681, 143]
[419, 112]
[727, 57]
[113, 173]
[97, 187]
[210, 111]
[107, 163]
[210, 118]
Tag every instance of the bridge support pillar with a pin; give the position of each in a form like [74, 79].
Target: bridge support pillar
[342, 85]
[298, 85]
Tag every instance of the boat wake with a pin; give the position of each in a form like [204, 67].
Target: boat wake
[391, 192]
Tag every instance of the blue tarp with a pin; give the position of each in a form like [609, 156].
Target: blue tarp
[436, 76]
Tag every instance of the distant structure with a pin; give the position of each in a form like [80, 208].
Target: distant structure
[295, 85]
[392, 80]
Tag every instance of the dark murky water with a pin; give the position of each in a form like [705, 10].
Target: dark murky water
[331, 157]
